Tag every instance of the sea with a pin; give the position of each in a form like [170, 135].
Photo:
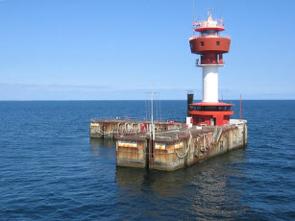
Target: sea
[51, 170]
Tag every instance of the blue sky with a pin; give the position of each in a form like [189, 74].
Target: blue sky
[99, 49]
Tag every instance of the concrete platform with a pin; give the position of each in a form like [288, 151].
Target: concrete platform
[175, 146]
[114, 127]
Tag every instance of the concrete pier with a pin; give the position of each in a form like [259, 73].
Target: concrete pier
[112, 128]
[175, 146]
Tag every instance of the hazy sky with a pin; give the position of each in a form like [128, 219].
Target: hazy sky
[102, 49]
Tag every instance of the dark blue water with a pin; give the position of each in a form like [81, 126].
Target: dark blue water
[50, 170]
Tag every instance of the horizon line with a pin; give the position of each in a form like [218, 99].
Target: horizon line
[65, 100]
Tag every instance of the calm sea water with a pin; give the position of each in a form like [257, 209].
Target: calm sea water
[50, 170]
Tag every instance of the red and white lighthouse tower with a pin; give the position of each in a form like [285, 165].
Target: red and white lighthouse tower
[211, 47]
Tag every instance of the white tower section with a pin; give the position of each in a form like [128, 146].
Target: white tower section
[210, 83]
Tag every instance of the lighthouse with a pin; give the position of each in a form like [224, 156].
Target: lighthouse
[210, 46]
[208, 131]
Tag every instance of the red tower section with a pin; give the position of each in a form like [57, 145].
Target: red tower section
[209, 44]
[211, 47]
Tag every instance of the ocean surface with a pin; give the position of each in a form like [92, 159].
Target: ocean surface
[51, 170]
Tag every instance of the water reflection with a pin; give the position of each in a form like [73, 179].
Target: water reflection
[209, 189]
[216, 187]
[96, 143]
[103, 147]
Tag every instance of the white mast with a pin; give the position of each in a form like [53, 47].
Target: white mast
[152, 117]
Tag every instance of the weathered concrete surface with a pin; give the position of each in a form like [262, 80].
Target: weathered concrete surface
[131, 153]
[112, 128]
[198, 147]
[181, 148]
[175, 146]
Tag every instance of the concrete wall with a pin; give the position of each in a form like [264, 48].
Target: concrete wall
[111, 128]
[196, 149]
[182, 153]
[131, 153]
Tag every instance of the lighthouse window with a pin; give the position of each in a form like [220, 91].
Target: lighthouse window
[217, 43]
[202, 43]
[198, 108]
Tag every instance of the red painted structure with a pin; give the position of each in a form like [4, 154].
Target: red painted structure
[211, 47]
[210, 113]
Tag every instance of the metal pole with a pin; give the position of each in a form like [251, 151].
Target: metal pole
[152, 117]
[241, 110]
